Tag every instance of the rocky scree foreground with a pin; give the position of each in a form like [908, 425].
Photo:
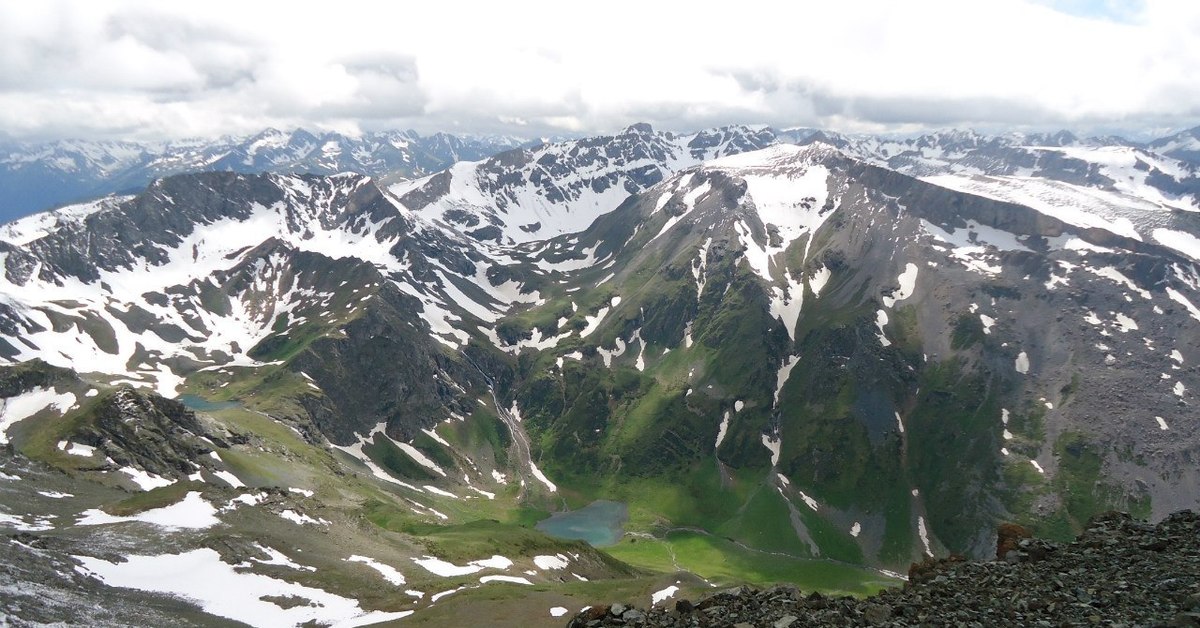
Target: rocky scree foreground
[1118, 572]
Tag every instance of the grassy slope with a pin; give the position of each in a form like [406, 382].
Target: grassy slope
[372, 519]
[646, 437]
[724, 562]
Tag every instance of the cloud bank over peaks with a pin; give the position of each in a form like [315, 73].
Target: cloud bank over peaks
[144, 70]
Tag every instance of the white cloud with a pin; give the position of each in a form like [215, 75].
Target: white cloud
[172, 69]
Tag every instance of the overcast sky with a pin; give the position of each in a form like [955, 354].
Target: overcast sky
[155, 70]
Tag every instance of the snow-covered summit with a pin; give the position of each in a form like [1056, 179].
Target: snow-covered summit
[557, 189]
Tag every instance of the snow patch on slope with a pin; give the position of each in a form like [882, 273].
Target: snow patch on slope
[775, 445]
[817, 281]
[1183, 242]
[1021, 364]
[27, 404]
[786, 304]
[787, 189]
[907, 281]
[222, 590]
[782, 375]
[446, 569]
[1082, 207]
[192, 512]
[389, 573]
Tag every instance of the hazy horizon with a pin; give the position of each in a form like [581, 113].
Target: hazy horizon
[147, 71]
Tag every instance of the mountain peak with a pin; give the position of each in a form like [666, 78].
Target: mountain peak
[958, 135]
[810, 136]
[267, 132]
[639, 128]
[778, 156]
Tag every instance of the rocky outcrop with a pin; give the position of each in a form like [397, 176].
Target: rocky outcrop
[383, 369]
[1119, 572]
[17, 379]
[145, 430]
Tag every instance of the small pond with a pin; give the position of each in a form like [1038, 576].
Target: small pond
[600, 523]
[203, 405]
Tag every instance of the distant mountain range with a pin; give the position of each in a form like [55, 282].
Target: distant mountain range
[39, 176]
[35, 177]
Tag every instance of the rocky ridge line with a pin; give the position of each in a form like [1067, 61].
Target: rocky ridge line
[1118, 572]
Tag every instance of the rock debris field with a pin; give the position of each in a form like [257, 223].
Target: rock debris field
[1119, 572]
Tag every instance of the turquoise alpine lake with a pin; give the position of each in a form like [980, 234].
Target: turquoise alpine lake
[600, 523]
[203, 405]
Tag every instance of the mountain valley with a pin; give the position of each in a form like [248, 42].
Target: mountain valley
[356, 390]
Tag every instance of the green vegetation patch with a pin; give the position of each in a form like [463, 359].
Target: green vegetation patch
[470, 541]
[39, 439]
[1079, 482]
[725, 562]
[953, 449]
[387, 455]
[967, 332]
[763, 522]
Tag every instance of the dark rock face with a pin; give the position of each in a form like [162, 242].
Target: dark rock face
[141, 230]
[739, 139]
[15, 380]
[129, 428]
[384, 370]
[1120, 571]
[358, 367]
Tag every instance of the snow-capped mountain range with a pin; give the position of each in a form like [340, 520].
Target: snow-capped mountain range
[1119, 173]
[815, 346]
[35, 177]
